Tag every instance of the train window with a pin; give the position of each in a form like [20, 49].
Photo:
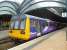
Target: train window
[16, 24]
[12, 23]
[41, 27]
[33, 26]
[43, 24]
[22, 25]
[37, 25]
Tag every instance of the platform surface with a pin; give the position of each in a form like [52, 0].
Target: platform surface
[4, 34]
[54, 41]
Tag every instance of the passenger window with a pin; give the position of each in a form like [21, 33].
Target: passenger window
[43, 24]
[33, 25]
[37, 25]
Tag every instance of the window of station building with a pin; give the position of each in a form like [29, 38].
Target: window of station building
[5, 21]
[6, 24]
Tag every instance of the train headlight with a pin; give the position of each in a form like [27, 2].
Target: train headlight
[22, 32]
[10, 31]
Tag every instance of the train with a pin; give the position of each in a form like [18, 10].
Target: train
[30, 27]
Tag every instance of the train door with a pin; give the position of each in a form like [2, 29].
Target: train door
[38, 27]
[33, 29]
[43, 26]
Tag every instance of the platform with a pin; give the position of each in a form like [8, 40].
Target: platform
[4, 34]
[52, 41]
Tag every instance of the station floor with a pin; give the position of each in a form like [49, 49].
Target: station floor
[55, 41]
[4, 34]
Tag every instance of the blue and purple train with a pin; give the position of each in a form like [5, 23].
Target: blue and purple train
[29, 27]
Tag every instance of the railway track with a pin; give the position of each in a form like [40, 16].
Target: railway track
[6, 43]
[5, 40]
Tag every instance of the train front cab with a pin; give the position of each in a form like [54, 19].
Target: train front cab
[19, 28]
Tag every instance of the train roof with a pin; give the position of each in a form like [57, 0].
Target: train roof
[35, 17]
[31, 17]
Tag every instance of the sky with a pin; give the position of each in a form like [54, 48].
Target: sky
[18, 1]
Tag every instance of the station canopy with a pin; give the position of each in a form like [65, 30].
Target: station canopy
[52, 9]
[8, 7]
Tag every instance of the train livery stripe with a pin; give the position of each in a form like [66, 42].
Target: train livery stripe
[27, 30]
